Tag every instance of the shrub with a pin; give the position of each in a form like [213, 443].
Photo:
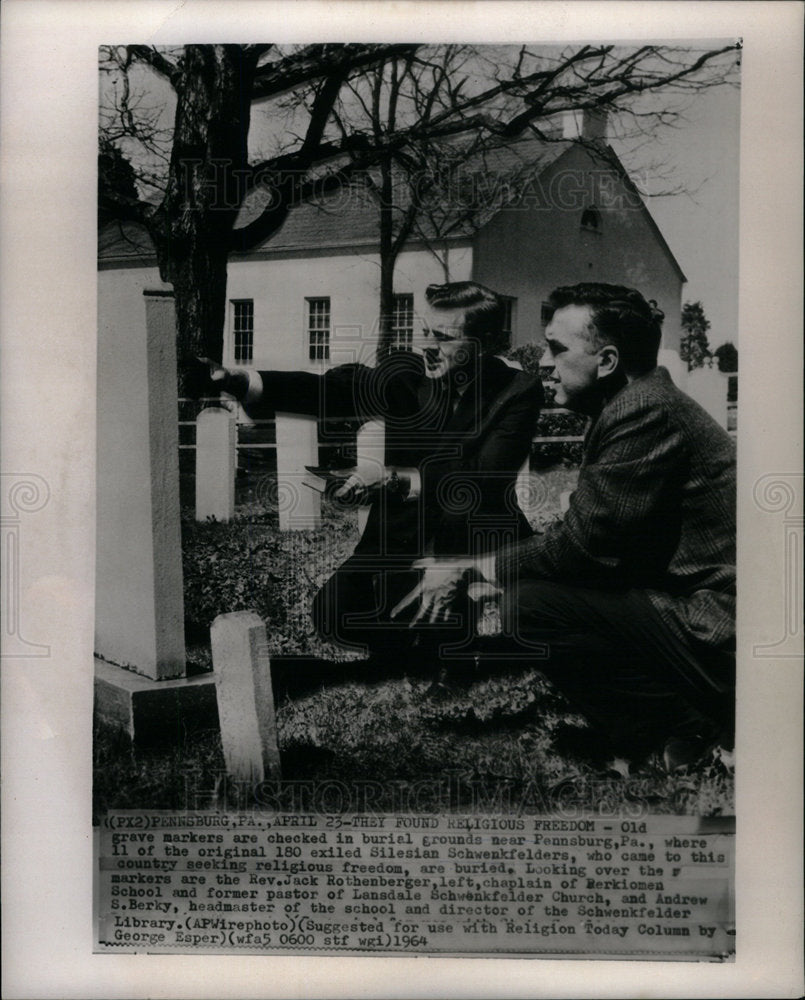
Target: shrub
[567, 453]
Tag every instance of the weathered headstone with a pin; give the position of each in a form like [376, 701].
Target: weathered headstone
[139, 610]
[216, 462]
[299, 506]
[245, 698]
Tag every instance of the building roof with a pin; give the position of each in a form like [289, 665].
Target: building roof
[347, 218]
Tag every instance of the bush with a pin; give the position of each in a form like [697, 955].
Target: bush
[528, 356]
[567, 453]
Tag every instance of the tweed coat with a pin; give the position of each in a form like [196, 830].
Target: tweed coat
[467, 449]
[654, 509]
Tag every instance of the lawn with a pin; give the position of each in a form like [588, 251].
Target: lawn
[487, 744]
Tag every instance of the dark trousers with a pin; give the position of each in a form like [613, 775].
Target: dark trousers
[609, 652]
[353, 609]
[618, 663]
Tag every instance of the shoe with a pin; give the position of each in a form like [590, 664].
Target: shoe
[679, 754]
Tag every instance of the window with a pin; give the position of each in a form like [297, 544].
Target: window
[318, 329]
[402, 322]
[243, 330]
[545, 313]
[591, 219]
[510, 313]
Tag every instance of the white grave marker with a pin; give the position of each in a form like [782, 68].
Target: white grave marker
[245, 699]
[216, 463]
[139, 606]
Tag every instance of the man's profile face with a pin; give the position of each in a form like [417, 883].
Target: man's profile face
[575, 360]
[446, 348]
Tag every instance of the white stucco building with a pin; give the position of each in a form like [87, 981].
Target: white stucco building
[308, 296]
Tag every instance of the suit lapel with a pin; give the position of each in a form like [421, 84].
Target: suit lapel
[478, 405]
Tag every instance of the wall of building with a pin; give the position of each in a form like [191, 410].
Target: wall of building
[553, 249]
[279, 288]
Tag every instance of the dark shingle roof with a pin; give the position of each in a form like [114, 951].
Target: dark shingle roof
[348, 217]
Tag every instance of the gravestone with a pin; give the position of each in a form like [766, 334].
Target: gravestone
[245, 698]
[298, 505]
[708, 386]
[216, 464]
[371, 451]
[139, 610]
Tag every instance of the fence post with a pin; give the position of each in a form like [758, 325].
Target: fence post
[298, 505]
[216, 464]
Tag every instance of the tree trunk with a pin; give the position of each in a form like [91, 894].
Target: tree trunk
[388, 258]
[199, 286]
[192, 228]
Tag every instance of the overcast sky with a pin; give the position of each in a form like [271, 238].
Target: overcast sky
[701, 227]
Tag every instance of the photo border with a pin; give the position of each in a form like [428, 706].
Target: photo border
[48, 89]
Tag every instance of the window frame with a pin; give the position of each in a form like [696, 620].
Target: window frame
[510, 314]
[594, 227]
[318, 334]
[406, 342]
[238, 331]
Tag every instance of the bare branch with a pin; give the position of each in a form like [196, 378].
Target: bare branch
[157, 61]
[316, 61]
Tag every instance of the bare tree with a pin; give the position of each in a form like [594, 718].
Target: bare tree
[194, 176]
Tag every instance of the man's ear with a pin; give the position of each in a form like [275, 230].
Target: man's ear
[608, 359]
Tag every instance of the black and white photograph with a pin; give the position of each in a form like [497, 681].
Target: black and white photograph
[426, 453]
[418, 429]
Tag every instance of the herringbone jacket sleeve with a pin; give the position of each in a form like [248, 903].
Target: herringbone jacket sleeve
[622, 524]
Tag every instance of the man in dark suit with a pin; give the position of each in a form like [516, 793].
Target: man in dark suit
[631, 598]
[458, 427]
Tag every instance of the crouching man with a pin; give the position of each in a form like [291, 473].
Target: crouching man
[631, 597]
[458, 426]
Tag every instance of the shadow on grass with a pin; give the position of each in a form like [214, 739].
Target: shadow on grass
[393, 747]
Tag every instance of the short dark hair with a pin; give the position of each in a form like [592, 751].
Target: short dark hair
[620, 316]
[485, 311]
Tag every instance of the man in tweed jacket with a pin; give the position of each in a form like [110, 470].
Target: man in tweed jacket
[628, 604]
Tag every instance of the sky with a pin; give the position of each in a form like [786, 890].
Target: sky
[701, 225]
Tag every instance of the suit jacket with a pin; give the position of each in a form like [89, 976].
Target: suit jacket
[468, 450]
[654, 508]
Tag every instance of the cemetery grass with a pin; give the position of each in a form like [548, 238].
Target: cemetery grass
[396, 745]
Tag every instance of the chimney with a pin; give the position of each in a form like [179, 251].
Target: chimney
[589, 124]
